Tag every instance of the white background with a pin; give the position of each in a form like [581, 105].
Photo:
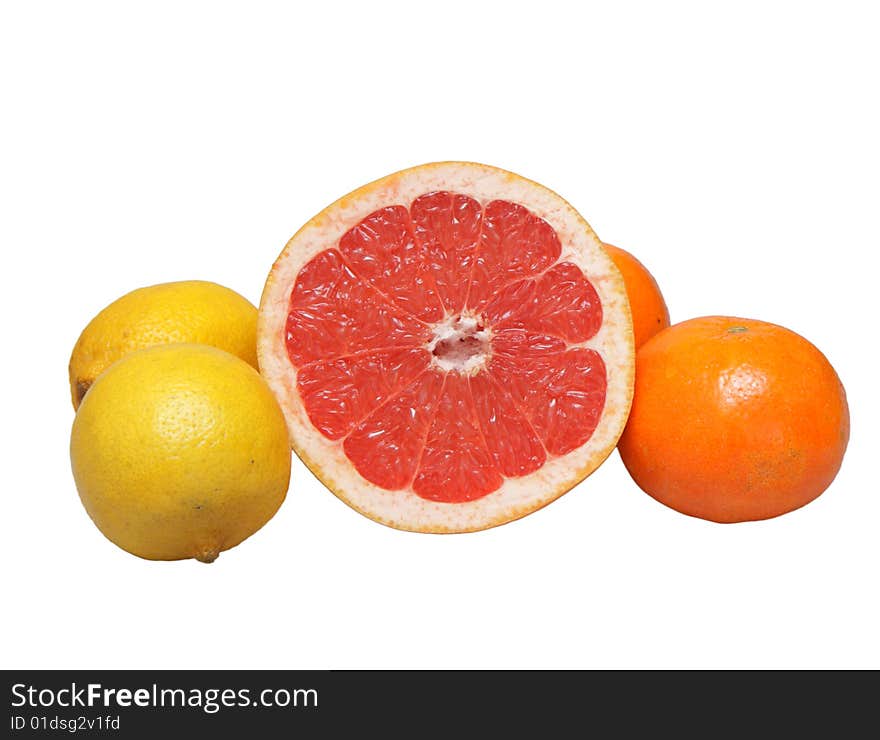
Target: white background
[734, 150]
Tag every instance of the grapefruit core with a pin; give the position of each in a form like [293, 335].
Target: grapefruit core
[451, 346]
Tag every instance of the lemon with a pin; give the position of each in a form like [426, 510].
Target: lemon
[186, 311]
[180, 451]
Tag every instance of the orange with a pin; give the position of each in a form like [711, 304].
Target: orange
[734, 420]
[649, 312]
[451, 346]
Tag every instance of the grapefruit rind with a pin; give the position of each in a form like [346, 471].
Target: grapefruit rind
[517, 497]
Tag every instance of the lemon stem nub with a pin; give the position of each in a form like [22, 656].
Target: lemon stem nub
[207, 554]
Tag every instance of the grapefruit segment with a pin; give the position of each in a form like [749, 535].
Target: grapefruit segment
[339, 393]
[334, 313]
[456, 465]
[451, 346]
[561, 392]
[509, 437]
[514, 244]
[386, 446]
[561, 302]
[382, 250]
[448, 226]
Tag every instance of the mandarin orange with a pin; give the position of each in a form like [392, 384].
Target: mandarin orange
[734, 420]
[649, 312]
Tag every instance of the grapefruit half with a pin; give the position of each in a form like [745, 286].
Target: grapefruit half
[451, 346]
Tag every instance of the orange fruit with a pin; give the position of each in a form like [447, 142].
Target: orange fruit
[451, 346]
[649, 312]
[734, 420]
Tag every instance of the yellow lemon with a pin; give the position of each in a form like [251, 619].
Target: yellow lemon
[187, 311]
[180, 451]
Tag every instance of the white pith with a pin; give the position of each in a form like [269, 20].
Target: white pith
[454, 328]
[516, 496]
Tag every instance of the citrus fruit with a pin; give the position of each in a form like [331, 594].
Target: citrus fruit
[185, 311]
[734, 420]
[649, 312]
[180, 451]
[451, 346]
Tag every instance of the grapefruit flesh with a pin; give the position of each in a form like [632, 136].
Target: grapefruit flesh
[451, 347]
